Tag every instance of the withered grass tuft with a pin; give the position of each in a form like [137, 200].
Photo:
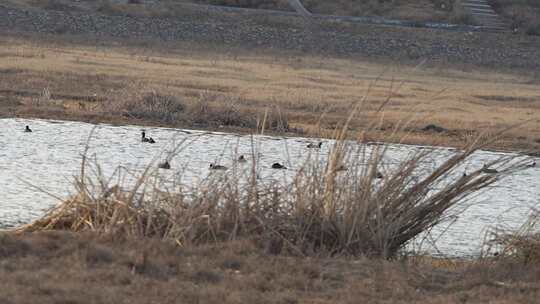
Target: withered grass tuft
[521, 245]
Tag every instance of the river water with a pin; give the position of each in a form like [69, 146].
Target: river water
[35, 167]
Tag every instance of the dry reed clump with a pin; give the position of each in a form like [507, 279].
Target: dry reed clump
[203, 112]
[155, 106]
[207, 110]
[323, 210]
[217, 111]
[522, 245]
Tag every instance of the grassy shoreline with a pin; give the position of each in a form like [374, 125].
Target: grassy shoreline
[61, 267]
[231, 90]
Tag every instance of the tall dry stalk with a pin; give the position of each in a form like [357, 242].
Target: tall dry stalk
[522, 245]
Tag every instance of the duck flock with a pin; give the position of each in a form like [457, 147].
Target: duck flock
[241, 159]
[166, 165]
[278, 166]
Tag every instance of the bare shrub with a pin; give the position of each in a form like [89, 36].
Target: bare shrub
[221, 114]
[165, 108]
[217, 110]
[276, 120]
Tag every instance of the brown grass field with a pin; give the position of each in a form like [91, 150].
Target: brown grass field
[231, 89]
[60, 267]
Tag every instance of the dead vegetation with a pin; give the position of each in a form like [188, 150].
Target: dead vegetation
[231, 89]
[64, 267]
[521, 245]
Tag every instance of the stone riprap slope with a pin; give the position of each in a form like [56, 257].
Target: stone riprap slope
[262, 30]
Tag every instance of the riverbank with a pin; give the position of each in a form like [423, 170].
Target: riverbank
[61, 267]
[205, 86]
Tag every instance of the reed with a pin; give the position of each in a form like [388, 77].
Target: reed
[521, 245]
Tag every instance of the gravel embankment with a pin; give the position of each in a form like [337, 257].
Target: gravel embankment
[501, 50]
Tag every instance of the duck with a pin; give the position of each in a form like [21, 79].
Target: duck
[147, 139]
[532, 165]
[315, 146]
[278, 166]
[242, 159]
[164, 165]
[342, 168]
[217, 167]
[487, 170]
[27, 129]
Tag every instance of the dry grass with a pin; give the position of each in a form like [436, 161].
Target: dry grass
[521, 246]
[97, 84]
[60, 267]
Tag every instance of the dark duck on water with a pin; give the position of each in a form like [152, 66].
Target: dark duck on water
[278, 166]
[164, 165]
[147, 139]
[217, 167]
[315, 146]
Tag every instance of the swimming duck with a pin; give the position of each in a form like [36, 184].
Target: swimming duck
[342, 168]
[278, 166]
[217, 167]
[315, 146]
[164, 165]
[147, 139]
[27, 129]
[487, 170]
[242, 159]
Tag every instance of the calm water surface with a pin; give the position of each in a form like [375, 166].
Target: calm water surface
[46, 160]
